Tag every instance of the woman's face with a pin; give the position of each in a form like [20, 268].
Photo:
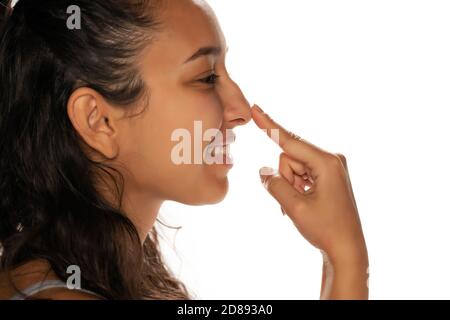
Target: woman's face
[184, 103]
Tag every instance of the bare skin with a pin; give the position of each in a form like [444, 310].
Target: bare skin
[314, 189]
[141, 147]
[178, 97]
[35, 272]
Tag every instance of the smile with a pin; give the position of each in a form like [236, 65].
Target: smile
[220, 150]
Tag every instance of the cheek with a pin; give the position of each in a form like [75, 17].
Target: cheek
[148, 152]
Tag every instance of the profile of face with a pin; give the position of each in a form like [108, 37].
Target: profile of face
[189, 89]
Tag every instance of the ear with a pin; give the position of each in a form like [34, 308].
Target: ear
[95, 121]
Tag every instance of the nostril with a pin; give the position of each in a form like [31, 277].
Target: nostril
[240, 122]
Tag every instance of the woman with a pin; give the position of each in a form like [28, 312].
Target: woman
[86, 120]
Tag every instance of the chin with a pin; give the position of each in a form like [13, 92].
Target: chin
[211, 193]
[217, 190]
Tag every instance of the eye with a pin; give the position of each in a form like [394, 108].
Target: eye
[211, 79]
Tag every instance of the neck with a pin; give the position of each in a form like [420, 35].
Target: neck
[142, 210]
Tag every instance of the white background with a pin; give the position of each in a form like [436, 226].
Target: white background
[369, 79]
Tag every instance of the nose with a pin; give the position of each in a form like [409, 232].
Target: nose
[236, 107]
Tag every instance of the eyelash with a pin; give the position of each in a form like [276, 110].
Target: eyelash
[211, 79]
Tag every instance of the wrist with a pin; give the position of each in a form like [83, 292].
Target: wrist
[352, 255]
[345, 277]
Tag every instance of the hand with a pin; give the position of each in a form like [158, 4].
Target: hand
[313, 188]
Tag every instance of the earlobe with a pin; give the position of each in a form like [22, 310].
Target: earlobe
[91, 118]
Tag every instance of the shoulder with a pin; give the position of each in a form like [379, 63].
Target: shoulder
[35, 272]
[64, 294]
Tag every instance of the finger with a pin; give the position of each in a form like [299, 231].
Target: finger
[289, 167]
[292, 144]
[287, 196]
[307, 184]
[304, 184]
[343, 160]
[299, 184]
[293, 171]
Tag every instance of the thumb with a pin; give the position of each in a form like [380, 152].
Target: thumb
[280, 188]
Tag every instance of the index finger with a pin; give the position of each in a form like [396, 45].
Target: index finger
[292, 144]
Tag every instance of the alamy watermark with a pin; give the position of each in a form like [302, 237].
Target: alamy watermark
[73, 22]
[73, 282]
[190, 150]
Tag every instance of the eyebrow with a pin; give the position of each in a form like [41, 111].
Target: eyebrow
[205, 51]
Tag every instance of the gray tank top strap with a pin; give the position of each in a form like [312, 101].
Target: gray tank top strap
[44, 285]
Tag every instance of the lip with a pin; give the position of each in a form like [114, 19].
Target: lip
[230, 138]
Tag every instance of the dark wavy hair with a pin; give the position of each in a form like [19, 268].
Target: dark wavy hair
[49, 206]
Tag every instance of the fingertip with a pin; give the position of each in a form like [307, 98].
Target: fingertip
[259, 116]
[258, 109]
[265, 173]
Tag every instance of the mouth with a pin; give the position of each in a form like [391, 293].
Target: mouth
[218, 147]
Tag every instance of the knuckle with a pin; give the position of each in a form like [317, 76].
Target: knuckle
[342, 157]
[333, 161]
[283, 164]
[294, 136]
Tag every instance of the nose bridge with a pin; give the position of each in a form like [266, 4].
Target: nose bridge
[236, 107]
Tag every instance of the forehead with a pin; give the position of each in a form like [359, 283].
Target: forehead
[193, 20]
[187, 25]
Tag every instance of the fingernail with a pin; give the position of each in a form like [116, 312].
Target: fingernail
[266, 171]
[264, 174]
[258, 108]
[282, 211]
